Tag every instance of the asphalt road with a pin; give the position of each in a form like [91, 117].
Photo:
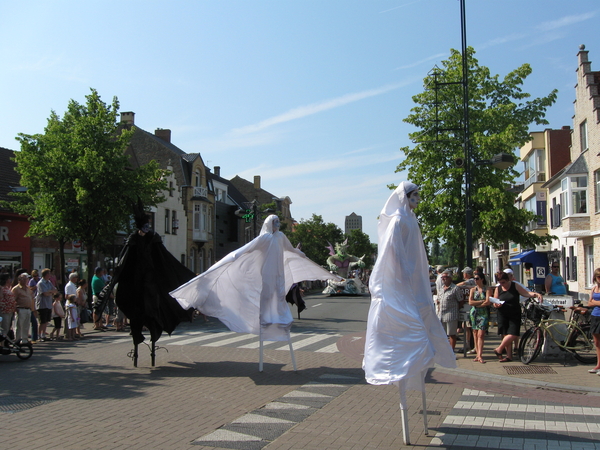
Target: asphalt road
[344, 314]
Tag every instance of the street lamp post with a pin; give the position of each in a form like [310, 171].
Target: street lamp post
[499, 161]
[466, 139]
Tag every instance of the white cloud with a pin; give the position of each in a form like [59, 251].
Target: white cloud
[430, 58]
[314, 108]
[345, 164]
[503, 40]
[398, 7]
[565, 21]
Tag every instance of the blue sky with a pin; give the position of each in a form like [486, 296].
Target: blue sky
[308, 94]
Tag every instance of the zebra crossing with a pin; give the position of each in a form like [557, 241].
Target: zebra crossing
[495, 421]
[260, 427]
[306, 341]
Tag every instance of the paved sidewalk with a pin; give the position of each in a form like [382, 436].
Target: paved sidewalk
[206, 395]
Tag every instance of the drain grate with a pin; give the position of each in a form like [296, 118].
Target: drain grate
[529, 370]
[14, 403]
[563, 391]
[431, 413]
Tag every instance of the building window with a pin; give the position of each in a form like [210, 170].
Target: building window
[204, 218]
[579, 194]
[572, 264]
[221, 195]
[174, 222]
[573, 197]
[535, 167]
[583, 135]
[171, 189]
[597, 189]
[193, 259]
[197, 216]
[555, 215]
[589, 265]
[167, 221]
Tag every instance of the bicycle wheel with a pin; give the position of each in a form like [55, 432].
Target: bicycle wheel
[531, 345]
[24, 351]
[583, 346]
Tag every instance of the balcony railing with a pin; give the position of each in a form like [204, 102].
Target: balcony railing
[538, 177]
[199, 236]
[200, 191]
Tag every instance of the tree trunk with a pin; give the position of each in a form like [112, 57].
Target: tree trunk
[61, 269]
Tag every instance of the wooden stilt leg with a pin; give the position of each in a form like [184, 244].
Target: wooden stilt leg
[424, 401]
[153, 353]
[404, 414]
[426, 430]
[292, 353]
[260, 356]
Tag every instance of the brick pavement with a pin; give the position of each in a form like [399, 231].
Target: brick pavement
[90, 395]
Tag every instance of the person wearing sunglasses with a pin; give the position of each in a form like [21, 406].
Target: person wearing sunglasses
[555, 284]
[509, 313]
[479, 314]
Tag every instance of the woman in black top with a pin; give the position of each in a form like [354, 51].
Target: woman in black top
[509, 313]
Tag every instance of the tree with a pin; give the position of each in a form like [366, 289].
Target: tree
[79, 182]
[500, 115]
[359, 244]
[314, 235]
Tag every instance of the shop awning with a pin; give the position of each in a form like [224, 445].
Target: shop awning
[516, 259]
[539, 261]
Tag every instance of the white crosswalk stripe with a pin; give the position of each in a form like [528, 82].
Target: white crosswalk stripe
[318, 342]
[494, 421]
[322, 342]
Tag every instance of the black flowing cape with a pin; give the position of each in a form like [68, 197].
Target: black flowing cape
[145, 274]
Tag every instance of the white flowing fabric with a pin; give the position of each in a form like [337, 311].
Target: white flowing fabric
[246, 289]
[404, 336]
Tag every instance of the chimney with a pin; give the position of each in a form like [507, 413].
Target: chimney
[165, 134]
[218, 171]
[256, 181]
[128, 118]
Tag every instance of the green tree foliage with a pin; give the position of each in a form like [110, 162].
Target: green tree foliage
[444, 255]
[359, 244]
[314, 235]
[500, 114]
[79, 182]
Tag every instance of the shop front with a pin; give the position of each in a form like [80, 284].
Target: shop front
[15, 248]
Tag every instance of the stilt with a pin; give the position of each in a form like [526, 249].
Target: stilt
[424, 397]
[260, 355]
[404, 413]
[424, 401]
[135, 355]
[292, 353]
[153, 353]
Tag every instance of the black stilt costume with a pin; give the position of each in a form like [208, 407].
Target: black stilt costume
[146, 272]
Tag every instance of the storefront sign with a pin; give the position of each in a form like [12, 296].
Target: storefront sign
[559, 300]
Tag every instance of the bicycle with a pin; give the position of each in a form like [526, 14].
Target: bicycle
[8, 346]
[571, 335]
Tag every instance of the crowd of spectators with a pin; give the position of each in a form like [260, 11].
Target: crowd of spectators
[466, 305]
[32, 302]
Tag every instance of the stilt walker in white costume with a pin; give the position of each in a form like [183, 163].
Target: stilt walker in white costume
[404, 336]
[246, 289]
